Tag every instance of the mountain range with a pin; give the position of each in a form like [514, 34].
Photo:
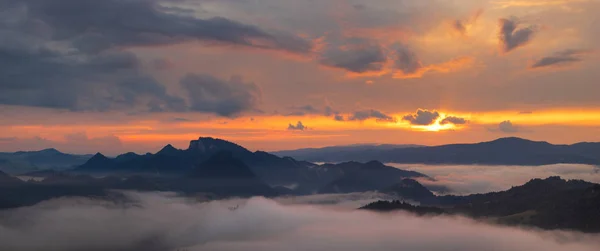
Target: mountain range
[215, 168]
[304, 177]
[29, 161]
[551, 203]
[503, 151]
[172, 161]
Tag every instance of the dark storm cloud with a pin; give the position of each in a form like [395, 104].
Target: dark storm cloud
[96, 25]
[35, 75]
[511, 36]
[422, 117]
[68, 54]
[355, 55]
[166, 222]
[298, 127]
[224, 97]
[370, 114]
[560, 58]
[453, 120]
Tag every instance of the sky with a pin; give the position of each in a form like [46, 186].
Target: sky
[114, 76]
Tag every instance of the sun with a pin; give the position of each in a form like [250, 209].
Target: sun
[436, 126]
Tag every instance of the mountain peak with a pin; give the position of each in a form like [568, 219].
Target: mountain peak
[50, 150]
[516, 140]
[214, 145]
[168, 150]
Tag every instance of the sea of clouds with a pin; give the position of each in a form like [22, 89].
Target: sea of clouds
[469, 179]
[162, 221]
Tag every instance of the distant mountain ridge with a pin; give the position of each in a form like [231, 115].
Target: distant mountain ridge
[503, 151]
[28, 161]
[305, 177]
[551, 203]
[337, 152]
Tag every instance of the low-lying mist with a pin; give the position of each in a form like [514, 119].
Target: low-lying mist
[153, 221]
[469, 179]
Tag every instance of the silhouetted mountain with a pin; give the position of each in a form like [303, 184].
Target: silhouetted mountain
[98, 163]
[387, 206]
[223, 174]
[370, 176]
[41, 174]
[504, 151]
[342, 153]
[7, 180]
[168, 150]
[411, 190]
[274, 171]
[551, 203]
[22, 161]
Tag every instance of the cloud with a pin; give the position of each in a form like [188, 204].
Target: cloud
[363, 58]
[472, 179]
[406, 61]
[511, 36]
[461, 26]
[453, 120]
[503, 4]
[76, 57]
[338, 117]
[408, 65]
[507, 127]
[422, 117]
[370, 114]
[309, 110]
[226, 98]
[355, 55]
[165, 222]
[96, 25]
[298, 127]
[561, 58]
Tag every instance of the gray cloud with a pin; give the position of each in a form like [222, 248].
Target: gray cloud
[97, 25]
[165, 222]
[422, 117]
[369, 114]
[338, 117]
[303, 110]
[507, 127]
[225, 98]
[406, 60]
[70, 54]
[298, 127]
[453, 120]
[511, 36]
[355, 55]
[560, 58]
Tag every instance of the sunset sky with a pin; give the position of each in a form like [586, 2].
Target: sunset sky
[114, 76]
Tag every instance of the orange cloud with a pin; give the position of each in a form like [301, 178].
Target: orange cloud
[534, 3]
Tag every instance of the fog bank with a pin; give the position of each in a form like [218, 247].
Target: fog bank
[469, 179]
[166, 222]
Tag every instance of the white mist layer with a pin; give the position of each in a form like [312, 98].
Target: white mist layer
[469, 179]
[166, 222]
